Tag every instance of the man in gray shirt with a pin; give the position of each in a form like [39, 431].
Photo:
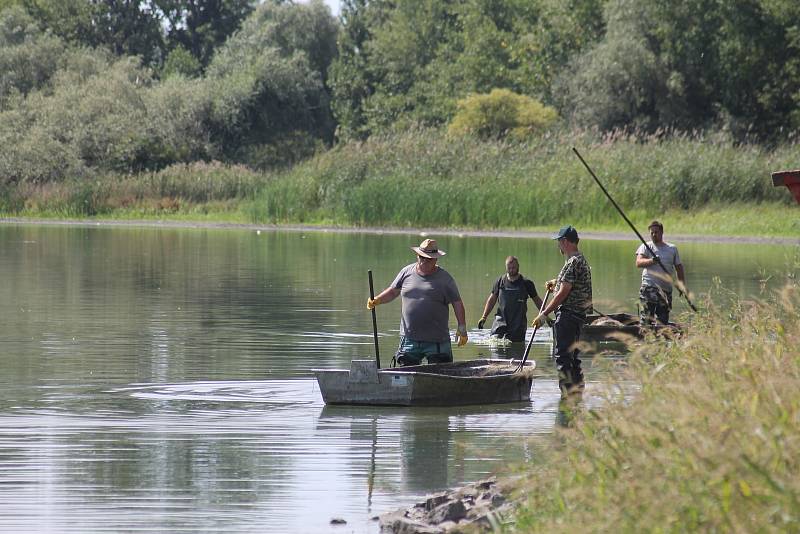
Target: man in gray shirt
[655, 295]
[426, 290]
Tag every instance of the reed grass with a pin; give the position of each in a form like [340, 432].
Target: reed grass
[710, 443]
[423, 178]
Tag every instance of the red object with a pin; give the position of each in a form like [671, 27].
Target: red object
[790, 179]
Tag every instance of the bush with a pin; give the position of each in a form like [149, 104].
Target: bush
[500, 114]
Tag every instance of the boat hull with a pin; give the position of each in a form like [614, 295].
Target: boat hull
[629, 329]
[449, 384]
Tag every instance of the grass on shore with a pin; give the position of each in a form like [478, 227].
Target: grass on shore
[711, 442]
[425, 179]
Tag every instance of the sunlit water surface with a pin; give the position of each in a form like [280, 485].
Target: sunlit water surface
[159, 379]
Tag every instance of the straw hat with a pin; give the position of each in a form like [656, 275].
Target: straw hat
[429, 249]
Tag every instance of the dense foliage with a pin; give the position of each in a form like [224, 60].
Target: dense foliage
[91, 87]
[640, 64]
[71, 112]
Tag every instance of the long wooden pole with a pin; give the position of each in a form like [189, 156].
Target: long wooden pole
[530, 341]
[652, 252]
[374, 321]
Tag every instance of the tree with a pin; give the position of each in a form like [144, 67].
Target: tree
[201, 26]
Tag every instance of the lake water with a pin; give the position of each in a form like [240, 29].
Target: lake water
[158, 379]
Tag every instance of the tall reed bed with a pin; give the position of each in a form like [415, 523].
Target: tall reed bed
[424, 178]
[711, 443]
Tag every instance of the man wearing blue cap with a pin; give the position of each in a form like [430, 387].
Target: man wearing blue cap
[572, 301]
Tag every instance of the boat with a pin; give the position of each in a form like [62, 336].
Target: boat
[481, 381]
[623, 327]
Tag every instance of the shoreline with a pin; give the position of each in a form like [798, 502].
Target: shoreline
[519, 234]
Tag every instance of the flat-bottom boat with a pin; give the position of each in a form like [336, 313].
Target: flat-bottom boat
[623, 327]
[443, 384]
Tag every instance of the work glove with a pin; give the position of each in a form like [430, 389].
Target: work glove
[538, 320]
[550, 285]
[481, 323]
[371, 303]
[461, 335]
[656, 259]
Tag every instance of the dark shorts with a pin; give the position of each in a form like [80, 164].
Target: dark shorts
[412, 352]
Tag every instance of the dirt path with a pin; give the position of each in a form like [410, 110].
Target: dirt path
[523, 234]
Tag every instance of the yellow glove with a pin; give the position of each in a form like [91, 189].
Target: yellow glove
[550, 285]
[461, 335]
[371, 303]
[537, 321]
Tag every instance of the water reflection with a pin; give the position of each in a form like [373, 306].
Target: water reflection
[158, 379]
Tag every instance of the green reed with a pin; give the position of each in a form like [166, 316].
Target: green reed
[422, 178]
[425, 178]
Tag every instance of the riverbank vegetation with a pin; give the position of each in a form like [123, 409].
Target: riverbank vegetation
[709, 443]
[425, 178]
[437, 113]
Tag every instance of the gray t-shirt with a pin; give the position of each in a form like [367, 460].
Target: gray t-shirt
[424, 301]
[655, 275]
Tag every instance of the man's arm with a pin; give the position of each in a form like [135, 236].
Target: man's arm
[487, 308]
[643, 261]
[461, 314]
[387, 295]
[558, 298]
[461, 318]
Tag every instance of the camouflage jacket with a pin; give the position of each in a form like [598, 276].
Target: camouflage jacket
[577, 272]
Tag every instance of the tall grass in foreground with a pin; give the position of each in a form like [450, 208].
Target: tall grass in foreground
[711, 443]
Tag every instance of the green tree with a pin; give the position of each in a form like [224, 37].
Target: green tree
[409, 61]
[126, 27]
[500, 114]
[690, 64]
[201, 26]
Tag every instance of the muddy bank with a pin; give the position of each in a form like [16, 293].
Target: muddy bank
[482, 506]
[522, 234]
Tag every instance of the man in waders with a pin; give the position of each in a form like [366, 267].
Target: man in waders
[572, 301]
[426, 290]
[655, 295]
[511, 291]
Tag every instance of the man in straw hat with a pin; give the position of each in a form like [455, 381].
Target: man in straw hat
[572, 301]
[426, 290]
[655, 294]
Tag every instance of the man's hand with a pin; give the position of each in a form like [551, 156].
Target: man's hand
[481, 323]
[655, 260]
[461, 335]
[371, 303]
[537, 321]
[550, 285]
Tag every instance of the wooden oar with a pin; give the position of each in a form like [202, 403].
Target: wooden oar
[374, 322]
[652, 252]
[530, 341]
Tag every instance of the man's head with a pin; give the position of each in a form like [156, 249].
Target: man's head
[567, 237]
[512, 266]
[429, 249]
[656, 231]
[428, 253]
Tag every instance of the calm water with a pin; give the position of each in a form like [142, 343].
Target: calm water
[158, 379]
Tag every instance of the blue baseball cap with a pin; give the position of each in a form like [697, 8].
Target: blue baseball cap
[567, 232]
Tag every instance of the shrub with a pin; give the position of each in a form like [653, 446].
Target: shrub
[501, 113]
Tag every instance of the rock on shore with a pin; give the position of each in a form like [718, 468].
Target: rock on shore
[477, 507]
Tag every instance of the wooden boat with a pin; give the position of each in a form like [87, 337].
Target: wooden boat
[623, 327]
[444, 384]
